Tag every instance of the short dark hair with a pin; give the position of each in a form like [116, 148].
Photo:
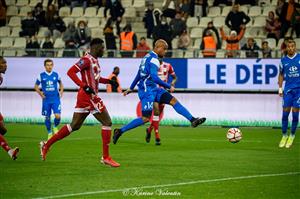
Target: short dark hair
[47, 60]
[96, 41]
[143, 38]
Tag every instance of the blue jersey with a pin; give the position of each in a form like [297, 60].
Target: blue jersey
[147, 78]
[290, 68]
[49, 83]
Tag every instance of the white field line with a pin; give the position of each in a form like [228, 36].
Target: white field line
[169, 185]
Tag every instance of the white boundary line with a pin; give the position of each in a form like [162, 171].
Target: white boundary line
[170, 185]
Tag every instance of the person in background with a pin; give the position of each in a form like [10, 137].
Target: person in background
[266, 50]
[177, 25]
[236, 19]
[232, 41]
[272, 26]
[251, 48]
[211, 27]
[32, 46]
[110, 38]
[142, 48]
[184, 40]
[39, 14]
[82, 35]
[209, 44]
[48, 47]
[116, 11]
[148, 19]
[116, 86]
[128, 41]
[2, 14]
[29, 26]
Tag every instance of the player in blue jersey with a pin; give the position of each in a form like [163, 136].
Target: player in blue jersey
[290, 73]
[149, 92]
[50, 94]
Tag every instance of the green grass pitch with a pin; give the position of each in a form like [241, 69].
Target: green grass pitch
[191, 163]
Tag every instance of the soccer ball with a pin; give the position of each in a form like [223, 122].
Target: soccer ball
[234, 135]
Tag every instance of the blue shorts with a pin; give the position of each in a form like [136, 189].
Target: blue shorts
[147, 99]
[48, 106]
[291, 98]
[163, 96]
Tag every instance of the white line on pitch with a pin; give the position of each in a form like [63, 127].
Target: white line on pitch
[170, 185]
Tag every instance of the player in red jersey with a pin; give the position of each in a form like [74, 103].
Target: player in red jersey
[164, 72]
[11, 152]
[87, 101]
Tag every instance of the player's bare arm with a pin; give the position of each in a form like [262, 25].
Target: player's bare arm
[38, 90]
[61, 89]
[280, 82]
[128, 91]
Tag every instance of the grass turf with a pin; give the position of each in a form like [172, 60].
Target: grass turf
[201, 157]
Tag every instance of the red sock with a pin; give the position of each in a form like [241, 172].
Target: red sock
[4, 144]
[150, 128]
[155, 124]
[63, 132]
[106, 134]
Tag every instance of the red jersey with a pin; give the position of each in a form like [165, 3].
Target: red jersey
[164, 71]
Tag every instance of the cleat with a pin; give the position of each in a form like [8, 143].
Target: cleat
[50, 135]
[157, 142]
[117, 135]
[148, 135]
[13, 153]
[109, 161]
[197, 121]
[283, 141]
[54, 130]
[43, 150]
[289, 141]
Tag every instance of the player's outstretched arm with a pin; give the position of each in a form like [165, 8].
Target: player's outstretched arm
[174, 79]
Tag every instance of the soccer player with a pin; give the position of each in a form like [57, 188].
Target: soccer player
[11, 152]
[290, 73]
[149, 92]
[165, 70]
[50, 95]
[87, 101]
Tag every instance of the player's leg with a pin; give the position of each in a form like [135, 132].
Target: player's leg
[286, 109]
[3, 143]
[167, 98]
[57, 111]
[46, 112]
[77, 121]
[153, 124]
[147, 107]
[105, 120]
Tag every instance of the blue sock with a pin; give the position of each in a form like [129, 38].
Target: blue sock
[294, 122]
[56, 122]
[182, 111]
[48, 124]
[285, 122]
[133, 124]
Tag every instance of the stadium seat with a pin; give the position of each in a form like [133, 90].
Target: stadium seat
[192, 22]
[96, 32]
[15, 31]
[259, 21]
[24, 10]
[214, 12]
[59, 43]
[197, 43]
[20, 42]
[196, 33]
[251, 32]
[130, 12]
[204, 21]
[14, 21]
[219, 22]
[90, 12]
[42, 32]
[4, 31]
[21, 53]
[9, 53]
[280, 41]
[226, 10]
[250, 23]
[22, 3]
[189, 54]
[34, 2]
[64, 11]
[297, 40]
[127, 3]
[254, 11]
[261, 32]
[100, 12]
[274, 2]
[244, 9]
[12, 11]
[6, 42]
[10, 2]
[77, 12]
[258, 41]
[138, 4]
[149, 42]
[264, 3]
[220, 54]
[271, 42]
[175, 43]
[267, 9]
[68, 20]
[93, 22]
